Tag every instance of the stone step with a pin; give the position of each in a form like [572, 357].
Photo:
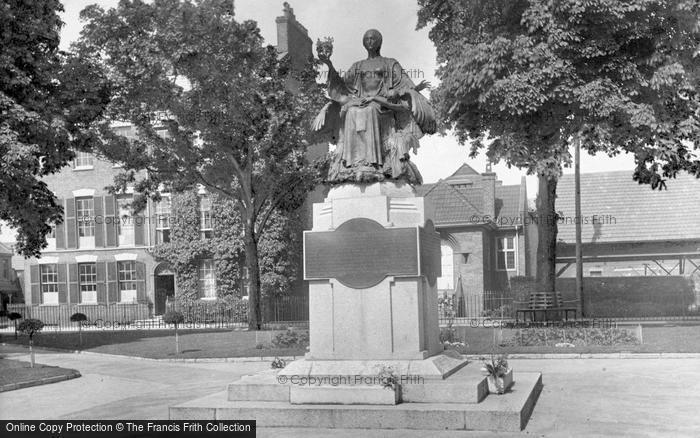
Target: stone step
[343, 395]
[465, 386]
[507, 412]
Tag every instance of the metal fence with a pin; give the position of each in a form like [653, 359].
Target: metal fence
[283, 310]
[115, 314]
[664, 305]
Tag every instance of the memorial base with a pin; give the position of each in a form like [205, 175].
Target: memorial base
[459, 402]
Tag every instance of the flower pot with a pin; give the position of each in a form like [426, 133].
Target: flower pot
[499, 385]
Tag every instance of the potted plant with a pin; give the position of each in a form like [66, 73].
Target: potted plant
[499, 373]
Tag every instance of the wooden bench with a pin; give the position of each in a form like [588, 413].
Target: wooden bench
[545, 303]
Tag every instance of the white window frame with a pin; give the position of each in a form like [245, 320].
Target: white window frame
[48, 283]
[245, 284]
[502, 248]
[205, 221]
[83, 161]
[85, 218]
[163, 217]
[125, 226]
[87, 283]
[447, 280]
[126, 275]
[207, 279]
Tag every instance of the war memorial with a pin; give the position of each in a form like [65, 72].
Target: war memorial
[371, 259]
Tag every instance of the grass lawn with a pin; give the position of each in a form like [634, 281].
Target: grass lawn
[160, 344]
[14, 371]
[657, 339]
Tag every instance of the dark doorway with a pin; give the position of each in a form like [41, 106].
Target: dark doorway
[165, 287]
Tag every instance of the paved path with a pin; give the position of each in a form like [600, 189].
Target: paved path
[581, 397]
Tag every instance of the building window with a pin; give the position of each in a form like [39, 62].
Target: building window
[85, 209]
[446, 281]
[83, 160]
[245, 284]
[207, 279]
[49, 283]
[205, 217]
[87, 276]
[125, 224]
[163, 213]
[127, 281]
[4, 272]
[505, 256]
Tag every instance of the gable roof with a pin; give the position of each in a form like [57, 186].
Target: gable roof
[464, 170]
[451, 207]
[508, 205]
[627, 211]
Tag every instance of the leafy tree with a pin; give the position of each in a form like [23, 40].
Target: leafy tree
[30, 327]
[524, 79]
[230, 121]
[47, 101]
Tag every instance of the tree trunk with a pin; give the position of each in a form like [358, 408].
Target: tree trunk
[80, 335]
[251, 261]
[546, 233]
[31, 352]
[177, 341]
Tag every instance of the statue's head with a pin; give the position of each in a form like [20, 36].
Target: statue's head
[372, 40]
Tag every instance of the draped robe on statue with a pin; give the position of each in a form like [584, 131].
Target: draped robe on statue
[373, 140]
[367, 128]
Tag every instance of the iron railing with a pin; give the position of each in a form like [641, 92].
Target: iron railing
[102, 315]
[282, 310]
[664, 305]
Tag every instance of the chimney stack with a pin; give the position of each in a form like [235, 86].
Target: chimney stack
[488, 186]
[293, 38]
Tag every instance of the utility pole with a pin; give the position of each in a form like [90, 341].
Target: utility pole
[577, 221]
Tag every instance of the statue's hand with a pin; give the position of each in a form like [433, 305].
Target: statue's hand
[422, 85]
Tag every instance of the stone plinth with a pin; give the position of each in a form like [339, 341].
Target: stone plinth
[372, 260]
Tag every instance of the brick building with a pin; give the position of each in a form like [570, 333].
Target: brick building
[484, 238]
[99, 255]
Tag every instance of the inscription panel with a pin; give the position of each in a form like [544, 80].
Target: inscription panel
[361, 253]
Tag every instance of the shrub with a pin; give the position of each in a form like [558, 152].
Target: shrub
[14, 316]
[581, 336]
[290, 339]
